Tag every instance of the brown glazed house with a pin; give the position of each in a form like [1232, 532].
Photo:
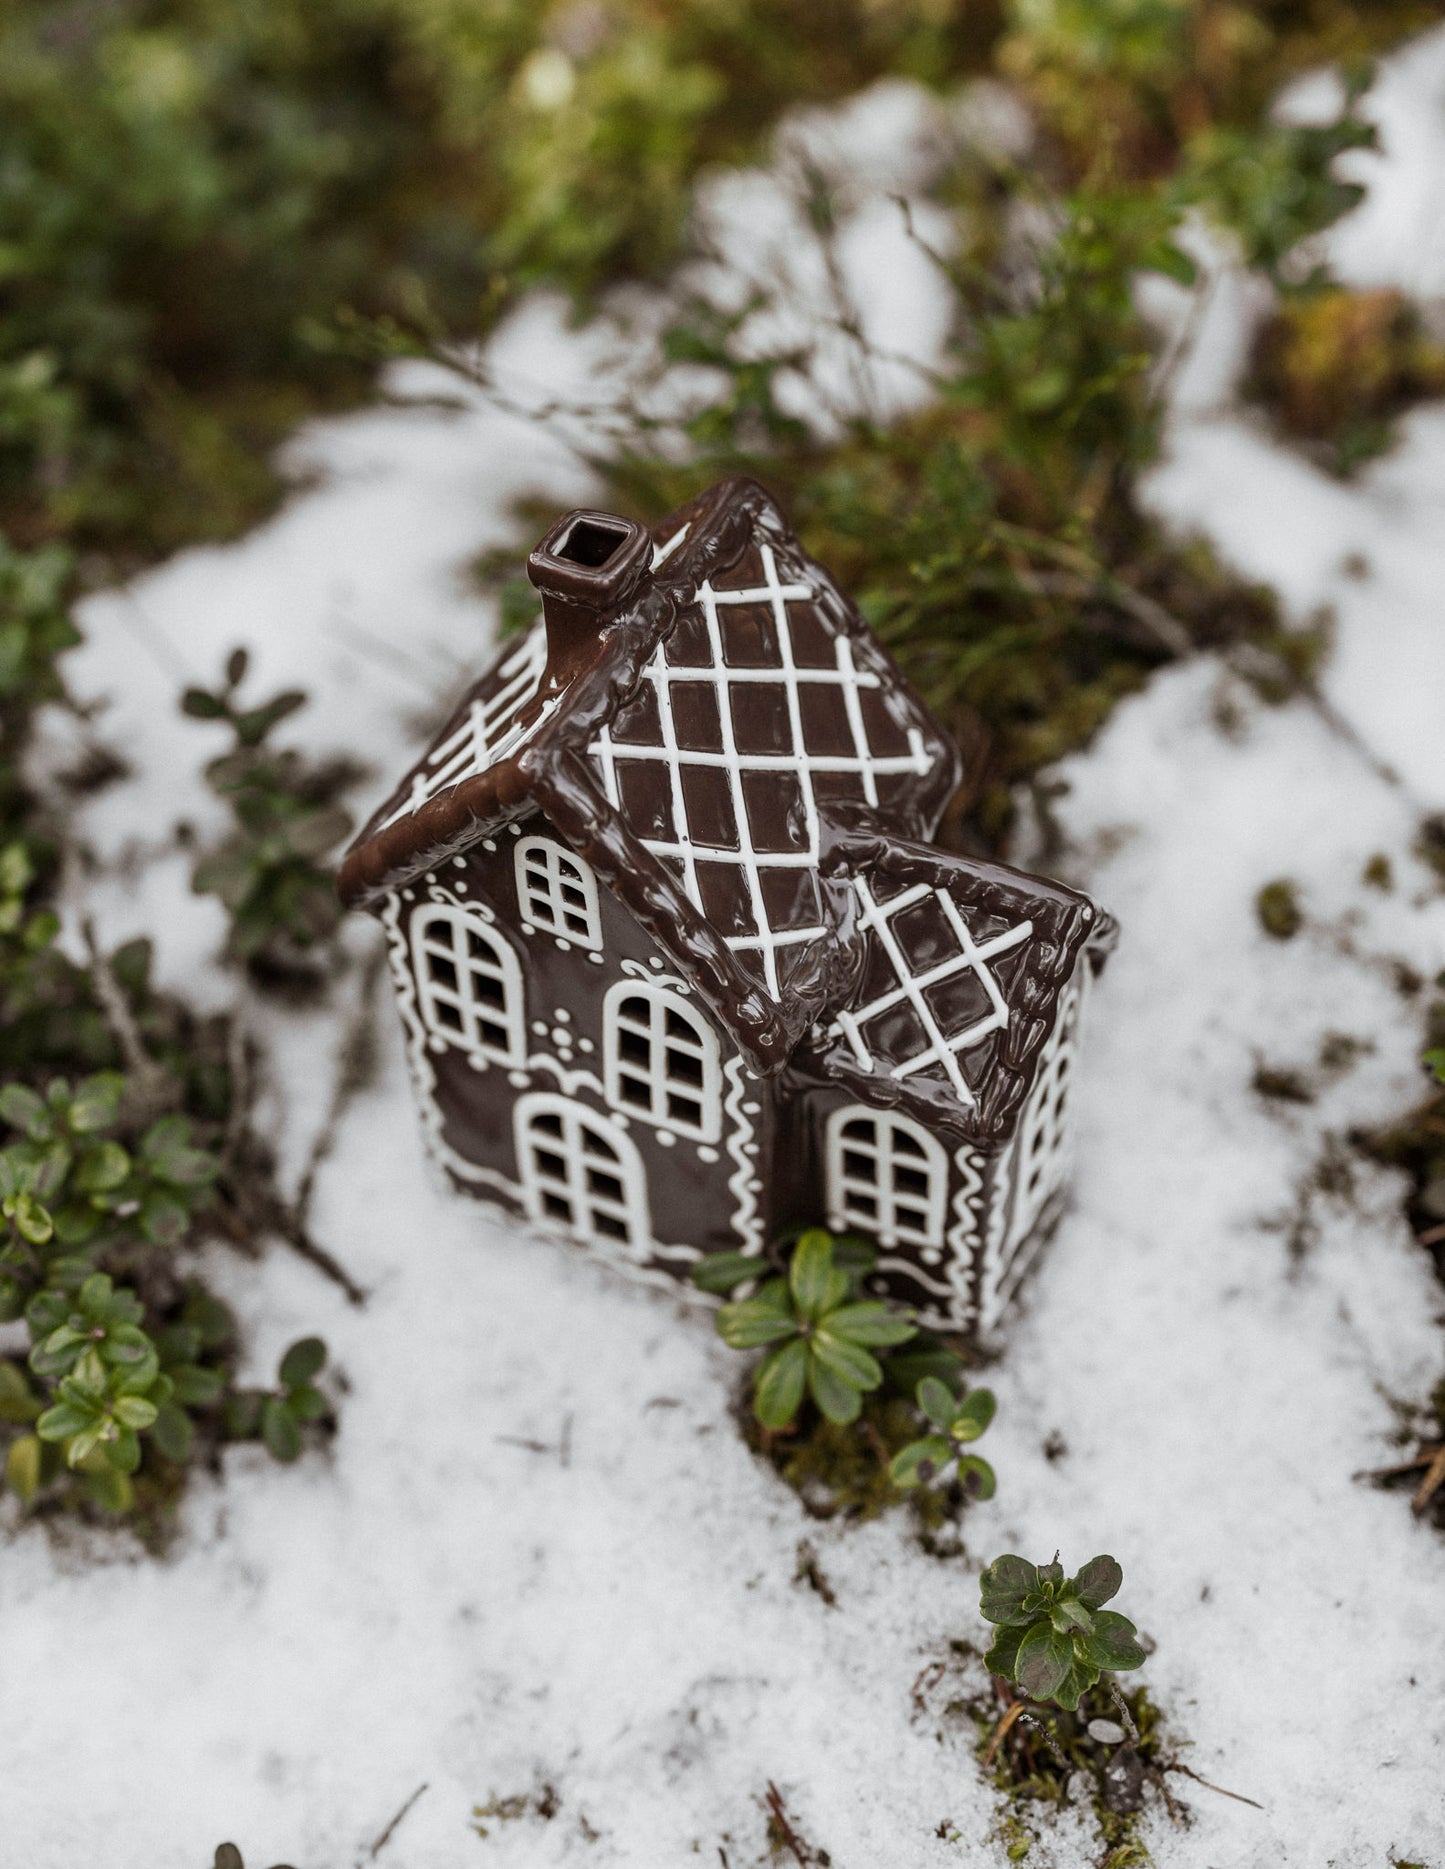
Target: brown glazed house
[677, 963]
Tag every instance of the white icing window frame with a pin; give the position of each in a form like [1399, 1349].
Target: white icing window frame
[1043, 1155]
[591, 1193]
[658, 1062]
[877, 1174]
[488, 1030]
[557, 893]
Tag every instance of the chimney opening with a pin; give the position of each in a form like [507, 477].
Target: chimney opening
[591, 544]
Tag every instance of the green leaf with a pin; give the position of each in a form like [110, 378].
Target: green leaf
[17, 1400]
[1002, 1657]
[1069, 1613]
[32, 1221]
[920, 1462]
[977, 1477]
[854, 1256]
[812, 1278]
[1076, 1683]
[1114, 1643]
[753, 1322]
[23, 1110]
[973, 1415]
[305, 1359]
[723, 1272]
[63, 1420]
[102, 1166]
[123, 1453]
[307, 1404]
[839, 1400]
[1003, 1587]
[97, 1102]
[173, 1433]
[937, 1401]
[200, 705]
[133, 1411]
[870, 1323]
[778, 1384]
[1044, 1660]
[195, 1386]
[164, 1219]
[849, 1362]
[1099, 1579]
[110, 1489]
[1434, 1060]
[22, 1467]
[279, 1430]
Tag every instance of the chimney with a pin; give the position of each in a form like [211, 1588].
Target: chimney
[586, 568]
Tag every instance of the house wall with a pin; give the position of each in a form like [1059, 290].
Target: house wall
[967, 1226]
[932, 1266]
[701, 1195]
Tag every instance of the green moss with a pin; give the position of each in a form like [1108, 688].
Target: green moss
[1277, 907]
[841, 1471]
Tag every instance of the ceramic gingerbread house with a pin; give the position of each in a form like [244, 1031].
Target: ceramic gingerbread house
[677, 963]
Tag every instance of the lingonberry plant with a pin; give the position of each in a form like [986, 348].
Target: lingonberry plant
[1055, 1638]
[81, 1211]
[819, 1334]
[957, 1421]
[267, 872]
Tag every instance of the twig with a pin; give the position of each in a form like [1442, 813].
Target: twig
[1175, 1765]
[1424, 1458]
[1126, 1718]
[286, 1226]
[1434, 1479]
[1032, 1720]
[152, 1088]
[1432, 1236]
[928, 1678]
[352, 1071]
[386, 1835]
[789, 1837]
[1015, 1712]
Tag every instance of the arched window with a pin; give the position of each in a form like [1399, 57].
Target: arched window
[579, 1171]
[469, 983]
[885, 1175]
[557, 892]
[661, 1061]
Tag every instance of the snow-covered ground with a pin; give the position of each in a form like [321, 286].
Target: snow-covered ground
[541, 1557]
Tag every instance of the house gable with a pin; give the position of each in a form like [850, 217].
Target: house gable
[958, 967]
[730, 702]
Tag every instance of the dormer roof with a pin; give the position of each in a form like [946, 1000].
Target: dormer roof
[743, 764]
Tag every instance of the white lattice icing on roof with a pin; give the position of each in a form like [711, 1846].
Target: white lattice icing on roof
[912, 986]
[490, 730]
[691, 849]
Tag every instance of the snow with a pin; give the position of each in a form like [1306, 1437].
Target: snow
[541, 1556]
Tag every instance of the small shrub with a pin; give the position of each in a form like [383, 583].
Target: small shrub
[819, 1335]
[957, 1421]
[268, 872]
[1055, 1638]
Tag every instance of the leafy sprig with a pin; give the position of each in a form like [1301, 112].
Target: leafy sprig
[957, 1421]
[820, 1336]
[1055, 1638]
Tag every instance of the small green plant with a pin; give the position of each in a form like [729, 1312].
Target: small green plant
[86, 1225]
[268, 872]
[278, 1416]
[1434, 1061]
[1055, 1638]
[819, 1334]
[957, 1421]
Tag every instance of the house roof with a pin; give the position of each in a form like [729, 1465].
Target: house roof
[730, 697]
[745, 766]
[958, 968]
